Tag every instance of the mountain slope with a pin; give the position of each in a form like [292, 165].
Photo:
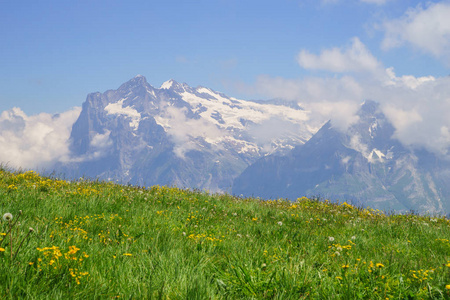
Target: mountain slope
[363, 165]
[178, 135]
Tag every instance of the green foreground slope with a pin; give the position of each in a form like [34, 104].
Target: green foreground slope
[98, 240]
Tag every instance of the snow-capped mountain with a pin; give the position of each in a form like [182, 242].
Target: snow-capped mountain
[178, 135]
[364, 165]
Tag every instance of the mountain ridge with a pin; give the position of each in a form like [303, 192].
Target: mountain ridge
[178, 135]
[363, 165]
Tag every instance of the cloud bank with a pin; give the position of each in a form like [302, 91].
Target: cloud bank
[418, 107]
[35, 142]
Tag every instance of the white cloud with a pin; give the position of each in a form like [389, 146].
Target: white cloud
[183, 131]
[35, 141]
[355, 58]
[426, 29]
[409, 81]
[326, 98]
[418, 107]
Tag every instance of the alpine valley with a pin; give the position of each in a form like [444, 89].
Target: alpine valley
[198, 138]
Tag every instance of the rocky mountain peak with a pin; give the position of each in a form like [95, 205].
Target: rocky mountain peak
[168, 84]
[139, 82]
[178, 135]
[370, 107]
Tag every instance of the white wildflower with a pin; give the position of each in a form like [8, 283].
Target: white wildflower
[331, 239]
[7, 217]
[280, 223]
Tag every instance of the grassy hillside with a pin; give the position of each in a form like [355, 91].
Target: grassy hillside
[97, 240]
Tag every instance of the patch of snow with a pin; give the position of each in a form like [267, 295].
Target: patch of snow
[233, 111]
[117, 108]
[167, 84]
[376, 155]
[163, 122]
[151, 92]
[373, 128]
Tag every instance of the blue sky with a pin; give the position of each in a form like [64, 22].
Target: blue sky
[326, 55]
[54, 53]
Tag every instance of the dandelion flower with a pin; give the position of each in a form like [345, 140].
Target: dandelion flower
[353, 238]
[2, 249]
[127, 254]
[331, 239]
[280, 223]
[447, 286]
[7, 217]
[379, 265]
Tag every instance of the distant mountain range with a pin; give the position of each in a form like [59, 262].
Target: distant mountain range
[178, 135]
[202, 139]
[364, 166]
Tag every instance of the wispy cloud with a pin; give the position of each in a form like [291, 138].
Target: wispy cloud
[184, 131]
[35, 141]
[354, 58]
[427, 29]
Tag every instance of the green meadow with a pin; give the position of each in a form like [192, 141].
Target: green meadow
[98, 240]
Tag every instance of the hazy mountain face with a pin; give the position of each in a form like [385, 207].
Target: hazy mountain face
[364, 165]
[178, 135]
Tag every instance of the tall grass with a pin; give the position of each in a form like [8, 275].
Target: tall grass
[99, 240]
